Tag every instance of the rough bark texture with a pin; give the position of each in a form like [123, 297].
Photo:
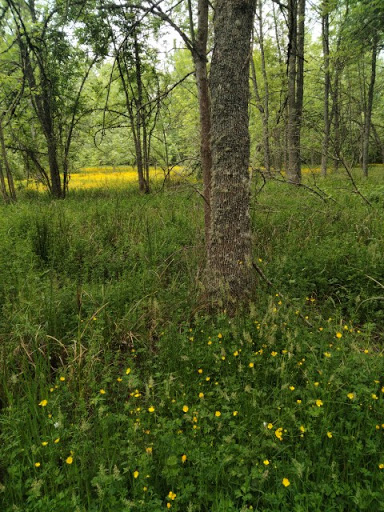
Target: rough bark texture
[229, 252]
[368, 110]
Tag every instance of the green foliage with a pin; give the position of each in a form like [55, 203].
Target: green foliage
[119, 392]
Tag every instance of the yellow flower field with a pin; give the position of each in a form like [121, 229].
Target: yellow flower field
[106, 177]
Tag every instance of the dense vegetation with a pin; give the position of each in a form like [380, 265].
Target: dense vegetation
[119, 393]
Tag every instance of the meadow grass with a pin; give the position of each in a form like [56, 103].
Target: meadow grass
[120, 393]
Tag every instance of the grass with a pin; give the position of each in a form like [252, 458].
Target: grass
[119, 393]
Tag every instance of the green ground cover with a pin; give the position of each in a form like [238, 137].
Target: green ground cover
[120, 393]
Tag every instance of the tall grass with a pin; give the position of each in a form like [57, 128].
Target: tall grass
[119, 392]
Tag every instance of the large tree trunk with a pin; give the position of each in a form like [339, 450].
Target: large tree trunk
[229, 251]
[368, 110]
[327, 86]
[199, 54]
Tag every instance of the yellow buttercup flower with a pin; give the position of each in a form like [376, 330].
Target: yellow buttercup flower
[69, 460]
[183, 458]
[44, 443]
[136, 474]
[251, 365]
[43, 403]
[128, 371]
[292, 388]
[319, 403]
[151, 409]
[351, 396]
[286, 482]
[171, 495]
[339, 335]
[185, 408]
[102, 391]
[279, 433]
[62, 379]
[266, 462]
[201, 395]
[37, 464]
[217, 414]
[329, 434]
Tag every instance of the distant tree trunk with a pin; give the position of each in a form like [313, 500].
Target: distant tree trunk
[368, 109]
[11, 186]
[141, 142]
[379, 141]
[3, 187]
[327, 86]
[229, 251]
[263, 106]
[199, 55]
[296, 18]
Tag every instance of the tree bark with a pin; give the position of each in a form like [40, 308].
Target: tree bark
[327, 86]
[296, 13]
[11, 186]
[368, 109]
[263, 106]
[3, 187]
[229, 252]
[199, 55]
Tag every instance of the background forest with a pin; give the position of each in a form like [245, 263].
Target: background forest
[131, 379]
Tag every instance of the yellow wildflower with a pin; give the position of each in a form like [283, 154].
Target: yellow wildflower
[286, 482]
[339, 335]
[217, 414]
[37, 464]
[43, 403]
[185, 408]
[270, 426]
[102, 391]
[251, 365]
[351, 396]
[44, 443]
[329, 434]
[292, 388]
[183, 458]
[151, 409]
[171, 495]
[319, 403]
[127, 371]
[136, 474]
[69, 460]
[273, 353]
[279, 433]
[266, 462]
[62, 379]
